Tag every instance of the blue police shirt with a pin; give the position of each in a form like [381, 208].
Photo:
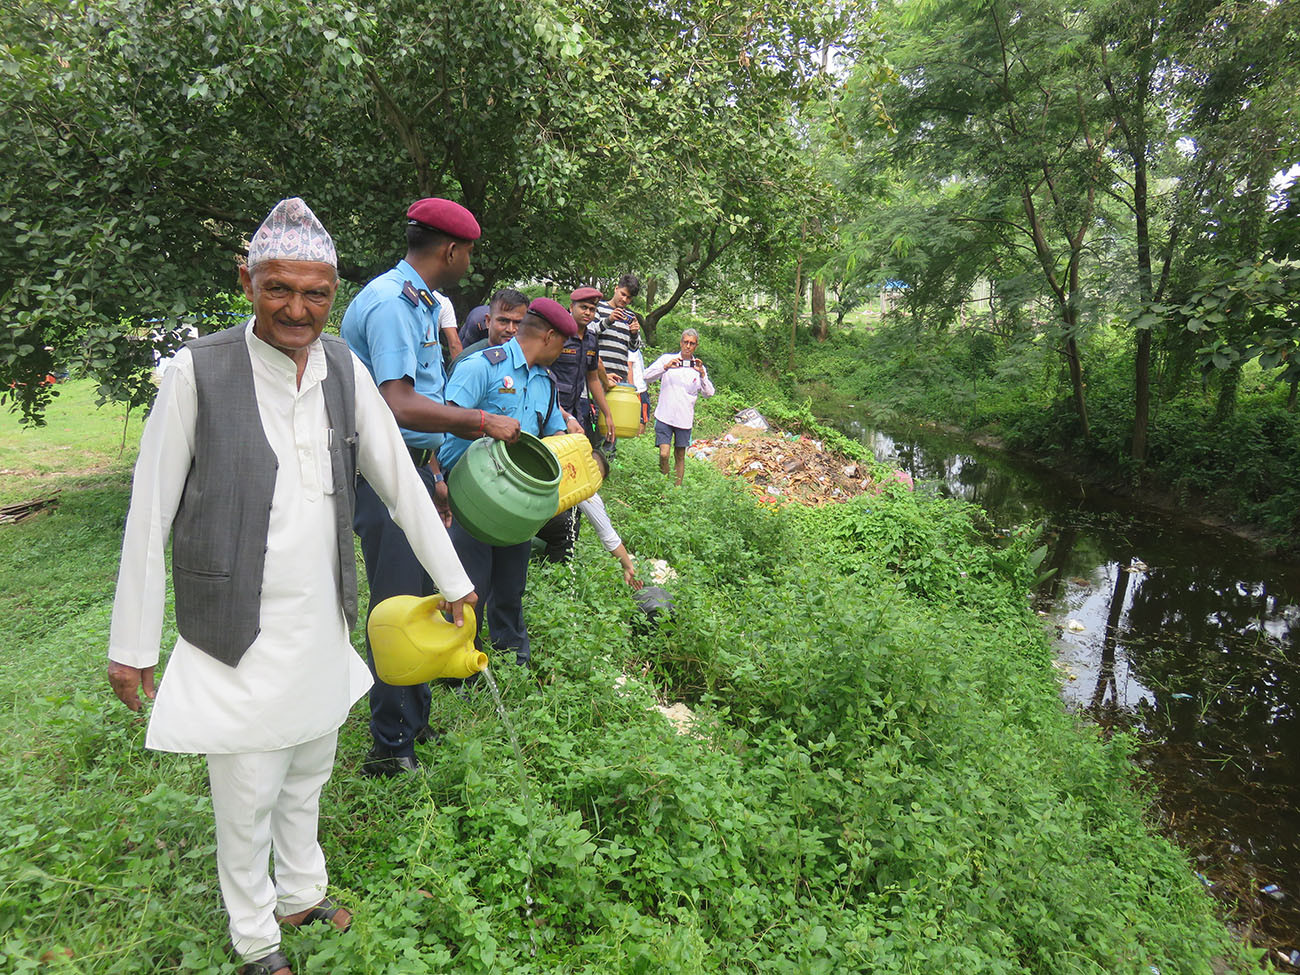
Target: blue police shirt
[393, 329]
[500, 380]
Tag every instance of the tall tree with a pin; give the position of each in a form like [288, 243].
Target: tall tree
[1199, 92]
[147, 138]
[997, 100]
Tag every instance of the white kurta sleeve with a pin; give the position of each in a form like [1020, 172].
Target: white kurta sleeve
[594, 509]
[166, 450]
[385, 463]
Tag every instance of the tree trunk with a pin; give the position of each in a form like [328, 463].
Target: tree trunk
[1136, 137]
[651, 288]
[1229, 380]
[821, 327]
[1076, 383]
[794, 314]
[686, 276]
[1141, 396]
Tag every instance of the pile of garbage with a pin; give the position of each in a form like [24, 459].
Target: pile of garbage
[782, 466]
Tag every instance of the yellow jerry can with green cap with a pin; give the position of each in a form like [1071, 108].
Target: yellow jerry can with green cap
[625, 405]
[413, 642]
[580, 475]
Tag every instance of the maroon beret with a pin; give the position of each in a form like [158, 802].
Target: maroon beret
[556, 315]
[586, 294]
[445, 217]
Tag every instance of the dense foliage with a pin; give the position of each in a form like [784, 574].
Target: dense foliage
[146, 139]
[1060, 170]
[880, 778]
[1242, 464]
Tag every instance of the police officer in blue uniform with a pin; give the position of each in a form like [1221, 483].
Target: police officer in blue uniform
[393, 326]
[511, 379]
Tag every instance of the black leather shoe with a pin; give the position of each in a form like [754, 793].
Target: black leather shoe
[377, 765]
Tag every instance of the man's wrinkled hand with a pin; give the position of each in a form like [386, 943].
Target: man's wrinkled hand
[572, 425]
[501, 427]
[442, 502]
[457, 607]
[126, 682]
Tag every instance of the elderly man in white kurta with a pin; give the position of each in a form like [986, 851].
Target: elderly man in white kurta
[265, 708]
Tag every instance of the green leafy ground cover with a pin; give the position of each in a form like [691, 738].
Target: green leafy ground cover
[881, 778]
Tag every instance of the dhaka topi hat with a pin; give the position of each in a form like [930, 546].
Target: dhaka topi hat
[586, 294]
[555, 315]
[291, 232]
[445, 217]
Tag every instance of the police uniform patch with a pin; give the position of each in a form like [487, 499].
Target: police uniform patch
[426, 297]
[508, 382]
[410, 294]
[495, 355]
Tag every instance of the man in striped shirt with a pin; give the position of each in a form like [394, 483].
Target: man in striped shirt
[618, 330]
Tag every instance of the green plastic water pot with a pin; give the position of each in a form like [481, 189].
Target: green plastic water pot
[503, 493]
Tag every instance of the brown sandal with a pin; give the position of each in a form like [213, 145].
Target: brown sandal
[325, 911]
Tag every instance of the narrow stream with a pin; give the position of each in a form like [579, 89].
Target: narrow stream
[1180, 634]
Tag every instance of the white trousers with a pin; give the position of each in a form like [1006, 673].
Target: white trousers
[264, 801]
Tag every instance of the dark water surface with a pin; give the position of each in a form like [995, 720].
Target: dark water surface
[1181, 634]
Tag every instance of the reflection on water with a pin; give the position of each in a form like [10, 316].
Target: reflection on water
[1185, 635]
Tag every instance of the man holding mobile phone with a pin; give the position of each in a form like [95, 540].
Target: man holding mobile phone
[618, 330]
[683, 380]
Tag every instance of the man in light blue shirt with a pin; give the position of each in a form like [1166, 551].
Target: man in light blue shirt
[512, 379]
[393, 326]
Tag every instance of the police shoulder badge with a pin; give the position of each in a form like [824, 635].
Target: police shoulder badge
[410, 294]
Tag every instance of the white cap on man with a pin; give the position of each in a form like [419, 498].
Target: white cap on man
[291, 232]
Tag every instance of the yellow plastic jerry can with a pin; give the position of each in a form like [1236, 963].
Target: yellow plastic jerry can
[580, 475]
[412, 642]
[625, 404]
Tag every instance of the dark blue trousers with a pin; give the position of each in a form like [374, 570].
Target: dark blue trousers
[396, 713]
[499, 574]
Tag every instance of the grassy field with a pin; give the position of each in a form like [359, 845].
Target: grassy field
[880, 777]
[81, 444]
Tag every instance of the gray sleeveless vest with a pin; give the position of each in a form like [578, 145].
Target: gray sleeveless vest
[219, 533]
